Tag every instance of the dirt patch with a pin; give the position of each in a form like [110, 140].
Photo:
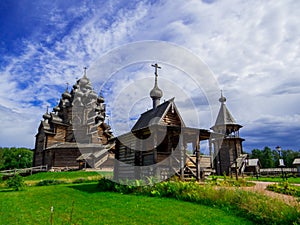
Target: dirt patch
[261, 188]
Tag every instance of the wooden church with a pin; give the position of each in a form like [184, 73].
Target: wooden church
[74, 135]
[157, 144]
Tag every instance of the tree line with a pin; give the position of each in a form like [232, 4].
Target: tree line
[270, 158]
[15, 158]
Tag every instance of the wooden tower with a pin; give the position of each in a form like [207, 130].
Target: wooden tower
[228, 145]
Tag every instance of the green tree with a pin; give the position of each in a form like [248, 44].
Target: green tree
[270, 158]
[289, 156]
[256, 154]
[11, 158]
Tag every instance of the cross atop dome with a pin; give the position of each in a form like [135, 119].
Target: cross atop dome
[156, 93]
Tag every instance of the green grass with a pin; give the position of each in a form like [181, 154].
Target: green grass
[83, 204]
[252, 205]
[292, 180]
[65, 175]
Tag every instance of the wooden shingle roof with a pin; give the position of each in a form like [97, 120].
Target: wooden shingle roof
[155, 116]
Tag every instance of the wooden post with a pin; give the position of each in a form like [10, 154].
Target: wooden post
[198, 158]
[236, 168]
[182, 154]
[211, 154]
[155, 152]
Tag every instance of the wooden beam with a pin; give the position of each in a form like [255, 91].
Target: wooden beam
[198, 174]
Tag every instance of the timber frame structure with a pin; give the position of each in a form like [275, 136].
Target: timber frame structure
[157, 145]
[74, 135]
[228, 149]
[139, 155]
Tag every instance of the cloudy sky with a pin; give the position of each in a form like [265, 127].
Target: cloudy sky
[249, 49]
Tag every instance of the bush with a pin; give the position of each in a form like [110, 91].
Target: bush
[285, 188]
[84, 180]
[16, 182]
[50, 182]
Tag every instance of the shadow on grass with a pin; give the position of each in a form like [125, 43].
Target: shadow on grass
[89, 188]
[7, 190]
[11, 190]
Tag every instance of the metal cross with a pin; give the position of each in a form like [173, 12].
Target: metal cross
[156, 67]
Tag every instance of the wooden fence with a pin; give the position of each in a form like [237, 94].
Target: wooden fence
[24, 170]
[277, 171]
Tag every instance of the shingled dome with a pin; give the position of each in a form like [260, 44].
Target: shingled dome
[156, 92]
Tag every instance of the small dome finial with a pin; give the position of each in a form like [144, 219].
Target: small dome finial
[84, 80]
[84, 73]
[47, 116]
[222, 99]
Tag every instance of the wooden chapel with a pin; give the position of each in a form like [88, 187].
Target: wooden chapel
[156, 146]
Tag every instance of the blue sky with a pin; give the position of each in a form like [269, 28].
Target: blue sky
[252, 50]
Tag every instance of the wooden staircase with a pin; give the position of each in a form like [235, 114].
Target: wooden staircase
[190, 168]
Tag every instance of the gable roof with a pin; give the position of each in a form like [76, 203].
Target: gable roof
[253, 162]
[296, 161]
[156, 115]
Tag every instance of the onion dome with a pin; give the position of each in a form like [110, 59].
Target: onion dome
[66, 103]
[84, 80]
[75, 86]
[100, 98]
[89, 86]
[66, 95]
[100, 117]
[156, 92]
[56, 108]
[93, 95]
[79, 93]
[222, 99]
[47, 116]
[98, 108]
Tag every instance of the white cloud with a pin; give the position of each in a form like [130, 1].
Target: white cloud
[252, 48]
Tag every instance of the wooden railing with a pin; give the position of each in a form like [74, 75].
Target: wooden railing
[25, 170]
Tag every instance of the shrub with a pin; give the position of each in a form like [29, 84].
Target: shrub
[16, 182]
[285, 188]
[50, 182]
[105, 184]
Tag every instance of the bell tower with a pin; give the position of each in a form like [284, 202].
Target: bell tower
[227, 142]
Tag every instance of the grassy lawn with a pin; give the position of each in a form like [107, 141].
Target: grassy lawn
[83, 204]
[67, 177]
[292, 180]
